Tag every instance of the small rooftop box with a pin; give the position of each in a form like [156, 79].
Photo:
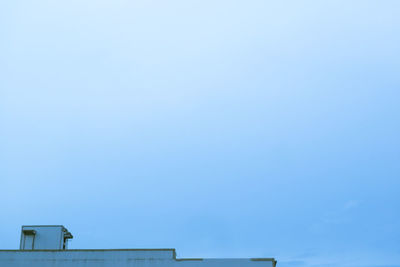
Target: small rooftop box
[44, 237]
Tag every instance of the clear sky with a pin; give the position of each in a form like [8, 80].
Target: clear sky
[220, 128]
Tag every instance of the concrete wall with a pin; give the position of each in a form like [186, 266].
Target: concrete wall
[117, 258]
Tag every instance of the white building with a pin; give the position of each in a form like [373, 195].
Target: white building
[47, 246]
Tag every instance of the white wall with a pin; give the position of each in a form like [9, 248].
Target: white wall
[120, 258]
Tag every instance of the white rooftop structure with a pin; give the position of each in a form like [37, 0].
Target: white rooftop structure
[39, 237]
[47, 246]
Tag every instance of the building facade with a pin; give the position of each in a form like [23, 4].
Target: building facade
[47, 246]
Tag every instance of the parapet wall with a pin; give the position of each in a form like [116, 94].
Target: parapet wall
[117, 258]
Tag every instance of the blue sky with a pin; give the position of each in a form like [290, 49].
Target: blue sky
[220, 128]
